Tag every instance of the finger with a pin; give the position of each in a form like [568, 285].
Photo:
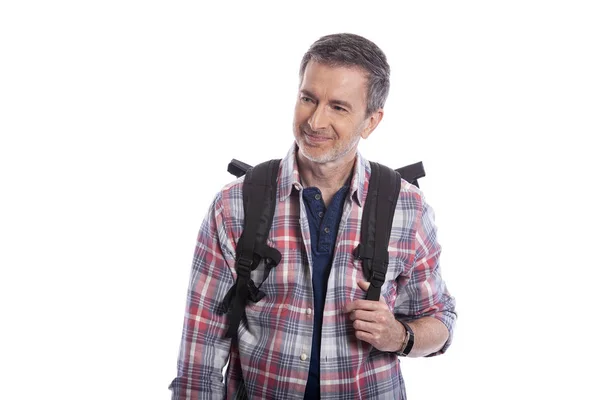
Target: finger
[366, 337]
[363, 315]
[365, 326]
[368, 305]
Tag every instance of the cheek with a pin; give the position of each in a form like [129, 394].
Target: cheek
[300, 115]
[345, 127]
[296, 125]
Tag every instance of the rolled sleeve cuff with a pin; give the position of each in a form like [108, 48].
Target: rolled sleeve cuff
[448, 318]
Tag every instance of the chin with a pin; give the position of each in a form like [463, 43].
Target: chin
[318, 157]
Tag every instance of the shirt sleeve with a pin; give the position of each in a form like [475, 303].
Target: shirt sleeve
[424, 293]
[204, 350]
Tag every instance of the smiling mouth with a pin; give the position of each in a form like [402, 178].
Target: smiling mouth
[316, 138]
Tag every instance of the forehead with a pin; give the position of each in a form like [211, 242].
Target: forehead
[349, 83]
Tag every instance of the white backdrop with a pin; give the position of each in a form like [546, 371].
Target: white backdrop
[118, 119]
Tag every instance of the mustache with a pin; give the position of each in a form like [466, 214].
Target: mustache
[310, 132]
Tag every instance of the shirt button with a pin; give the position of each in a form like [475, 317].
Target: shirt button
[326, 230]
[309, 311]
[303, 357]
[320, 214]
[318, 196]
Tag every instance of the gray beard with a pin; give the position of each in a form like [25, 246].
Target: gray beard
[333, 156]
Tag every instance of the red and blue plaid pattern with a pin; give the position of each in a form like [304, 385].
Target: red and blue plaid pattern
[271, 359]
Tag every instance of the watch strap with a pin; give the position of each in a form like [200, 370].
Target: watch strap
[411, 339]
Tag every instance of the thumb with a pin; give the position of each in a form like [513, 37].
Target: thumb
[364, 285]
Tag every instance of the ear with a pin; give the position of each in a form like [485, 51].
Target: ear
[371, 123]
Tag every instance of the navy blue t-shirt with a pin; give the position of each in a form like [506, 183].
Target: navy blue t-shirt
[323, 223]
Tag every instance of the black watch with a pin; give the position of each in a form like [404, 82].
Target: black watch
[411, 339]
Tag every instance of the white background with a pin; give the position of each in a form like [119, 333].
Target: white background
[118, 119]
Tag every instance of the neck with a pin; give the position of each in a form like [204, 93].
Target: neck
[327, 177]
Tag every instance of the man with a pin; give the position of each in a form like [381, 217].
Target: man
[314, 335]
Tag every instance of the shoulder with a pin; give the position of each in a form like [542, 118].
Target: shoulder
[410, 197]
[232, 192]
[229, 201]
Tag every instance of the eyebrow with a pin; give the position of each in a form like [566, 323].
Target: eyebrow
[334, 101]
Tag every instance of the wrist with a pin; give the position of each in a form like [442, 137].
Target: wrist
[402, 338]
[408, 339]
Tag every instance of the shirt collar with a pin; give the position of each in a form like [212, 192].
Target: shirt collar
[289, 177]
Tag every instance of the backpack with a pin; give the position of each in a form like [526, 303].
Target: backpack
[259, 196]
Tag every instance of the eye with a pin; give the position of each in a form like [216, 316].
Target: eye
[305, 99]
[338, 108]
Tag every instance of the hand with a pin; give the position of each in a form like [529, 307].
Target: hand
[374, 323]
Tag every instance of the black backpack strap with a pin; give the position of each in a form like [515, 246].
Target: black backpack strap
[237, 168]
[412, 172]
[260, 188]
[377, 219]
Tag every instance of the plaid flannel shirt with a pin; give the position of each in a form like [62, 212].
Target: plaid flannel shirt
[271, 358]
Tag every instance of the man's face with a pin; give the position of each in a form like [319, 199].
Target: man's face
[329, 117]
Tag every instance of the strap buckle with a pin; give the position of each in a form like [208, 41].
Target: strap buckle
[243, 266]
[377, 278]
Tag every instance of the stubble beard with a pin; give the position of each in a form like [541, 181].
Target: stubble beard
[333, 154]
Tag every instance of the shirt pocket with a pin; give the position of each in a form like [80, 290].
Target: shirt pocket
[291, 259]
[397, 272]
[397, 265]
[285, 282]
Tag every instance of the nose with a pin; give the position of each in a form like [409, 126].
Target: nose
[318, 120]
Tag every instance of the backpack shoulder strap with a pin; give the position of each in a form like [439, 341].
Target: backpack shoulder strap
[377, 219]
[259, 193]
[412, 172]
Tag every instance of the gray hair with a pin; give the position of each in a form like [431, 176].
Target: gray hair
[349, 50]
